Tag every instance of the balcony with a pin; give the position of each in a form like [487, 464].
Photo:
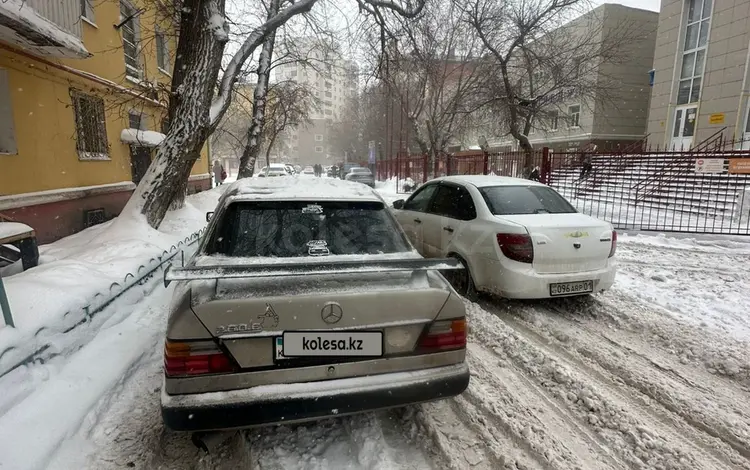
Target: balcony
[49, 28]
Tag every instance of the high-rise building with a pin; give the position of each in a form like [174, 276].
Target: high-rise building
[332, 79]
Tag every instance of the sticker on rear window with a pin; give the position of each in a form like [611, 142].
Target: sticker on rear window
[318, 248]
[312, 209]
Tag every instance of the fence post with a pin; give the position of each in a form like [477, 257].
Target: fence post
[485, 162]
[546, 166]
[425, 163]
[5, 305]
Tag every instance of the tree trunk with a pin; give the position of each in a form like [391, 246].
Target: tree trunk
[202, 48]
[260, 97]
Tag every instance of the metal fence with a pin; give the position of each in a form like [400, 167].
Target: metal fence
[703, 190]
[53, 340]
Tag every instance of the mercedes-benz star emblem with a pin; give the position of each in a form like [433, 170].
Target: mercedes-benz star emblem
[331, 312]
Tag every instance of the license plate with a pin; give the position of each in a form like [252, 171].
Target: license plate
[568, 288]
[327, 344]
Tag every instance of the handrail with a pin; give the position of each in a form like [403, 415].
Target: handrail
[640, 188]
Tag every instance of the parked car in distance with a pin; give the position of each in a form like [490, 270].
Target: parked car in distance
[290, 169]
[306, 301]
[273, 170]
[517, 238]
[308, 170]
[346, 168]
[361, 175]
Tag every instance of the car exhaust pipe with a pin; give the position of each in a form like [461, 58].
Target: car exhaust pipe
[209, 442]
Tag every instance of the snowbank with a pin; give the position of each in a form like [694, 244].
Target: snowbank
[389, 189]
[73, 270]
[140, 137]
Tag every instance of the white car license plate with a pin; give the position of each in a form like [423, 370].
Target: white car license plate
[568, 288]
[327, 343]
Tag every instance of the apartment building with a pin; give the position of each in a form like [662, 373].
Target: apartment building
[573, 119]
[83, 100]
[701, 73]
[333, 79]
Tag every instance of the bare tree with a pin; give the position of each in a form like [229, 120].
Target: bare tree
[289, 106]
[255, 132]
[541, 62]
[433, 71]
[195, 107]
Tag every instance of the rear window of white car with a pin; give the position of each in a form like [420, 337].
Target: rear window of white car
[517, 200]
[288, 229]
[361, 171]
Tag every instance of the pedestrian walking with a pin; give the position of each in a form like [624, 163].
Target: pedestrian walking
[219, 173]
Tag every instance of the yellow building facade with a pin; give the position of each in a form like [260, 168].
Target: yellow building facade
[83, 101]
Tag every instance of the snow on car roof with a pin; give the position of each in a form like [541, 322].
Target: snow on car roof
[483, 181]
[301, 189]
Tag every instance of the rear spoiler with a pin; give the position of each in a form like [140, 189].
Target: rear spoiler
[192, 273]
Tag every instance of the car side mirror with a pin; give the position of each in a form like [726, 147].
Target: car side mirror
[208, 216]
[398, 204]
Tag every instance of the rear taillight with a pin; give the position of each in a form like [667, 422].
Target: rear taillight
[195, 358]
[516, 246]
[443, 335]
[614, 244]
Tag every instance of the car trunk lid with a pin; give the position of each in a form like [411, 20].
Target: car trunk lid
[566, 243]
[248, 317]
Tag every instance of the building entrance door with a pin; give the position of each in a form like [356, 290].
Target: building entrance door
[746, 133]
[140, 159]
[684, 127]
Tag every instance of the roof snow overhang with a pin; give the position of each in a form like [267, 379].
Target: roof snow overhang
[22, 26]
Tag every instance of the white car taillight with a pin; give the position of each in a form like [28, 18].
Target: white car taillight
[516, 246]
[614, 244]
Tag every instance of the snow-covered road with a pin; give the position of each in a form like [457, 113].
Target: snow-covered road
[632, 378]
[654, 374]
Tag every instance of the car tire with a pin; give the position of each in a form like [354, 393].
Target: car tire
[462, 281]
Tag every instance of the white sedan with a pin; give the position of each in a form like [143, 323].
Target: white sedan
[517, 238]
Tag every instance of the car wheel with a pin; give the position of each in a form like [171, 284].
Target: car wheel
[462, 281]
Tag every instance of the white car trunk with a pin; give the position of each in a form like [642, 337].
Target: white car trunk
[566, 243]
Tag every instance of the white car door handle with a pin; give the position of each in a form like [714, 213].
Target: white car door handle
[448, 229]
[417, 221]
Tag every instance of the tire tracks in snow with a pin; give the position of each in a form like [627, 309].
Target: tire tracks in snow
[641, 433]
[718, 410]
[724, 358]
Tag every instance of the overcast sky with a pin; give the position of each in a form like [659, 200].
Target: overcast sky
[652, 5]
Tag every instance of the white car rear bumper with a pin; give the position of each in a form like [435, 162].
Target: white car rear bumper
[525, 283]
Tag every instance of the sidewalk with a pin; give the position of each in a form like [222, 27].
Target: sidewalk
[74, 270]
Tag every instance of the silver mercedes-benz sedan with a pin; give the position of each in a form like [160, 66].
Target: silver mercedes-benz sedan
[307, 301]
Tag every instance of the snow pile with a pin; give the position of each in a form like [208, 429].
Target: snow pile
[388, 189]
[11, 229]
[141, 137]
[24, 15]
[73, 270]
[291, 187]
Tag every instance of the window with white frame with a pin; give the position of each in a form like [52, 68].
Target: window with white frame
[130, 46]
[318, 137]
[8, 144]
[87, 10]
[91, 126]
[162, 52]
[694, 50]
[318, 149]
[574, 115]
[553, 119]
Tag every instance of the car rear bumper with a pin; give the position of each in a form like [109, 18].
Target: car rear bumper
[289, 403]
[528, 284]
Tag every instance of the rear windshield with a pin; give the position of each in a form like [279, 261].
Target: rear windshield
[515, 200]
[292, 229]
[363, 171]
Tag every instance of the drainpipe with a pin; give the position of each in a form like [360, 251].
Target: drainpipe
[5, 305]
[743, 105]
